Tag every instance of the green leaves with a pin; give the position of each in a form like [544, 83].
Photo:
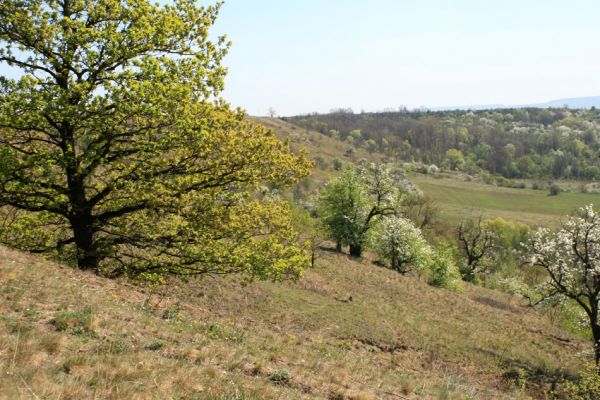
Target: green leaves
[115, 130]
[350, 205]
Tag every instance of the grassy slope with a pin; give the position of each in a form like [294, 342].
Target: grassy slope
[456, 198]
[71, 335]
[317, 145]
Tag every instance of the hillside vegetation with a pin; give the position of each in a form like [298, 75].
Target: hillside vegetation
[455, 196]
[197, 256]
[347, 330]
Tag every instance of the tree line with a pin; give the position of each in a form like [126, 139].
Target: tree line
[514, 143]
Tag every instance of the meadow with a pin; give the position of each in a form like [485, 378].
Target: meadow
[458, 199]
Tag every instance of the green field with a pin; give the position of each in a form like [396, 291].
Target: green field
[458, 199]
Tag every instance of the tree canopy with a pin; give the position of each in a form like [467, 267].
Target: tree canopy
[399, 242]
[351, 204]
[118, 154]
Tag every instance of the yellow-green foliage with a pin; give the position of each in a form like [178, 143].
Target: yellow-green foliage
[588, 385]
[117, 155]
[508, 234]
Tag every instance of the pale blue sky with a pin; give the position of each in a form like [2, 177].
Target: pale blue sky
[315, 55]
[301, 56]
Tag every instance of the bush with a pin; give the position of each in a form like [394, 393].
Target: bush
[588, 385]
[337, 164]
[443, 271]
[155, 345]
[280, 376]
[538, 186]
[77, 322]
[554, 189]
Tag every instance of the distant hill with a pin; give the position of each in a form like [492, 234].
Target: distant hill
[516, 143]
[573, 102]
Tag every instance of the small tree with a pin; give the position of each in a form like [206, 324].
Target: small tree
[310, 232]
[400, 243]
[420, 209]
[443, 271]
[476, 242]
[351, 205]
[510, 243]
[571, 259]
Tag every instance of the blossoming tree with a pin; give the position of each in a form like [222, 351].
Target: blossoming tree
[571, 258]
[401, 243]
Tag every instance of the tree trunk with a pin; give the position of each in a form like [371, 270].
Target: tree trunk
[338, 246]
[81, 218]
[87, 257]
[355, 250]
[395, 265]
[596, 336]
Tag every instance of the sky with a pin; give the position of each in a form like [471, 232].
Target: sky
[303, 56]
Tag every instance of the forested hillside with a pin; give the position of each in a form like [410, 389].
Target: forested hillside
[514, 143]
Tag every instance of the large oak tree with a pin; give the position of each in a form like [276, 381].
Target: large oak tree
[117, 153]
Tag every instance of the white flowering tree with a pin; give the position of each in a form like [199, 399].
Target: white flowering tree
[400, 243]
[571, 258]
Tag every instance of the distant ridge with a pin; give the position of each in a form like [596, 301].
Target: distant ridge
[573, 102]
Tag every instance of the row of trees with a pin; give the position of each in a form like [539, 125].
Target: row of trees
[514, 143]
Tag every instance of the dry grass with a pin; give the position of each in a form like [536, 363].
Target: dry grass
[214, 339]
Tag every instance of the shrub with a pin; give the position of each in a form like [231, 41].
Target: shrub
[337, 164]
[433, 169]
[155, 345]
[280, 376]
[538, 186]
[554, 189]
[443, 271]
[78, 322]
[588, 385]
